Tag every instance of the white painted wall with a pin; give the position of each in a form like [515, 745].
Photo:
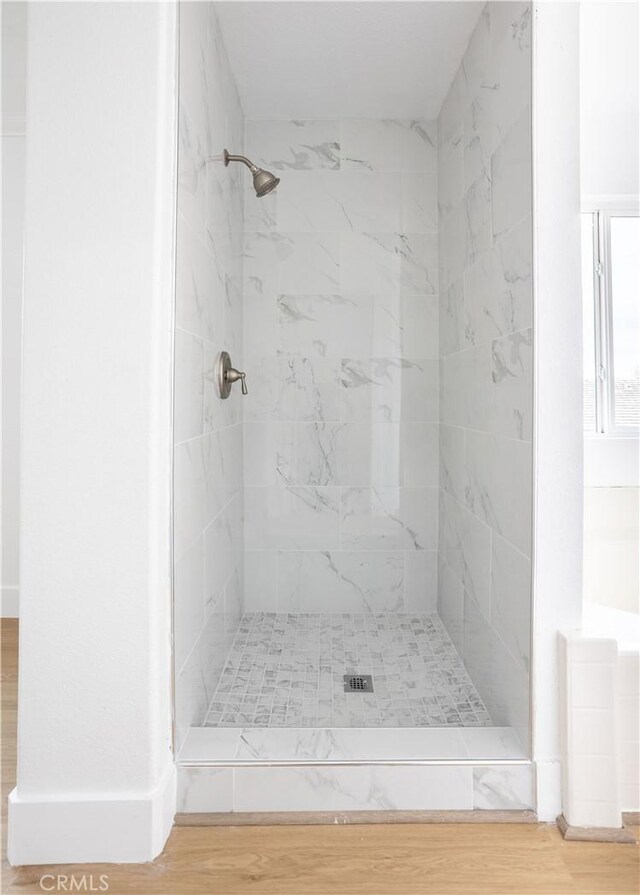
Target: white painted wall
[96, 780]
[609, 101]
[558, 488]
[13, 139]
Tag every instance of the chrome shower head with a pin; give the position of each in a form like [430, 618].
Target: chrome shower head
[263, 181]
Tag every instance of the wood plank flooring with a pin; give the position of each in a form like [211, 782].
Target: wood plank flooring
[385, 859]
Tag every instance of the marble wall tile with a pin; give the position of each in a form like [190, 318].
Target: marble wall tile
[340, 581]
[451, 321]
[285, 387]
[192, 187]
[478, 218]
[352, 789]
[421, 581]
[310, 203]
[389, 389]
[301, 518]
[299, 145]
[308, 263]
[464, 392]
[389, 263]
[501, 681]
[452, 461]
[419, 453]
[511, 389]
[389, 518]
[498, 489]
[509, 788]
[188, 498]
[511, 599]
[498, 288]
[389, 145]
[189, 386]
[451, 184]
[261, 580]
[486, 388]
[204, 789]
[419, 203]
[222, 551]
[188, 586]
[200, 295]
[465, 544]
[451, 603]
[324, 325]
[341, 343]
[511, 177]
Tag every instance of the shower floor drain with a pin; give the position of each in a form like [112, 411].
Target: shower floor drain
[358, 683]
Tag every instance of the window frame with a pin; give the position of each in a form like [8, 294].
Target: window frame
[603, 324]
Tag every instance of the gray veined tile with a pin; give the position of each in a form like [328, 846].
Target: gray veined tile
[389, 263]
[465, 543]
[511, 177]
[295, 145]
[293, 388]
[498, 287]
[406, 145]
[511, 598]
[191, 172]
[511, 390]
[325, 325]
[389, 389]
[292, 517]
[504, 788]
[498, 485]
[340, 581]
[384, 518]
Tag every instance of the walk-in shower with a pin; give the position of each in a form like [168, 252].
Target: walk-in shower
[363, 513]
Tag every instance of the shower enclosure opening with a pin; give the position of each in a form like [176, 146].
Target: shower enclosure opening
[352, 529]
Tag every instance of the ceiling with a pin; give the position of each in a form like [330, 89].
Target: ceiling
[338, 58]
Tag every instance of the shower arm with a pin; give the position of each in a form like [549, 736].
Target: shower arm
[239, 158]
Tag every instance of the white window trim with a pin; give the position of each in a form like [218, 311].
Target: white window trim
[603, 324]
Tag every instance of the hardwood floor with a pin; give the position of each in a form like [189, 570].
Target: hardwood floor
[406, 859]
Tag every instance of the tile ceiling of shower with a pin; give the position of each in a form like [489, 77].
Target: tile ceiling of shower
[286, 670]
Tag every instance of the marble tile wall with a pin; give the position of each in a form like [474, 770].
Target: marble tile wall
[486, 387]
[341, 355]
[208, 499]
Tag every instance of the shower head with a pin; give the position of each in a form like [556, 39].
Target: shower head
[263, 181]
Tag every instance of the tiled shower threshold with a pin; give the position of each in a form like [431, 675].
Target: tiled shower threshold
[292, 746]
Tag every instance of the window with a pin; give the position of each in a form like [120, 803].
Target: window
[611, 327]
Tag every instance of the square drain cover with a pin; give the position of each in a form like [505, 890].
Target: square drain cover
[358, 683]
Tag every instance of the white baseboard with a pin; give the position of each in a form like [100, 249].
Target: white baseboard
[96, 829]
[9, 603]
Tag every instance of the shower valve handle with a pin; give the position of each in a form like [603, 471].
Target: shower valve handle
[226, 375]
[232, 375]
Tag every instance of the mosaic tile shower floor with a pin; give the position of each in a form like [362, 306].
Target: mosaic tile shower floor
[286, 670]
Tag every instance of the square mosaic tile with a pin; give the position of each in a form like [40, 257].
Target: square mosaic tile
[287, 670]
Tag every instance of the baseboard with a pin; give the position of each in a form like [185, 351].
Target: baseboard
[631, 818]
[295, 818]
[92, 830]
[595, 834]
[9, 602]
